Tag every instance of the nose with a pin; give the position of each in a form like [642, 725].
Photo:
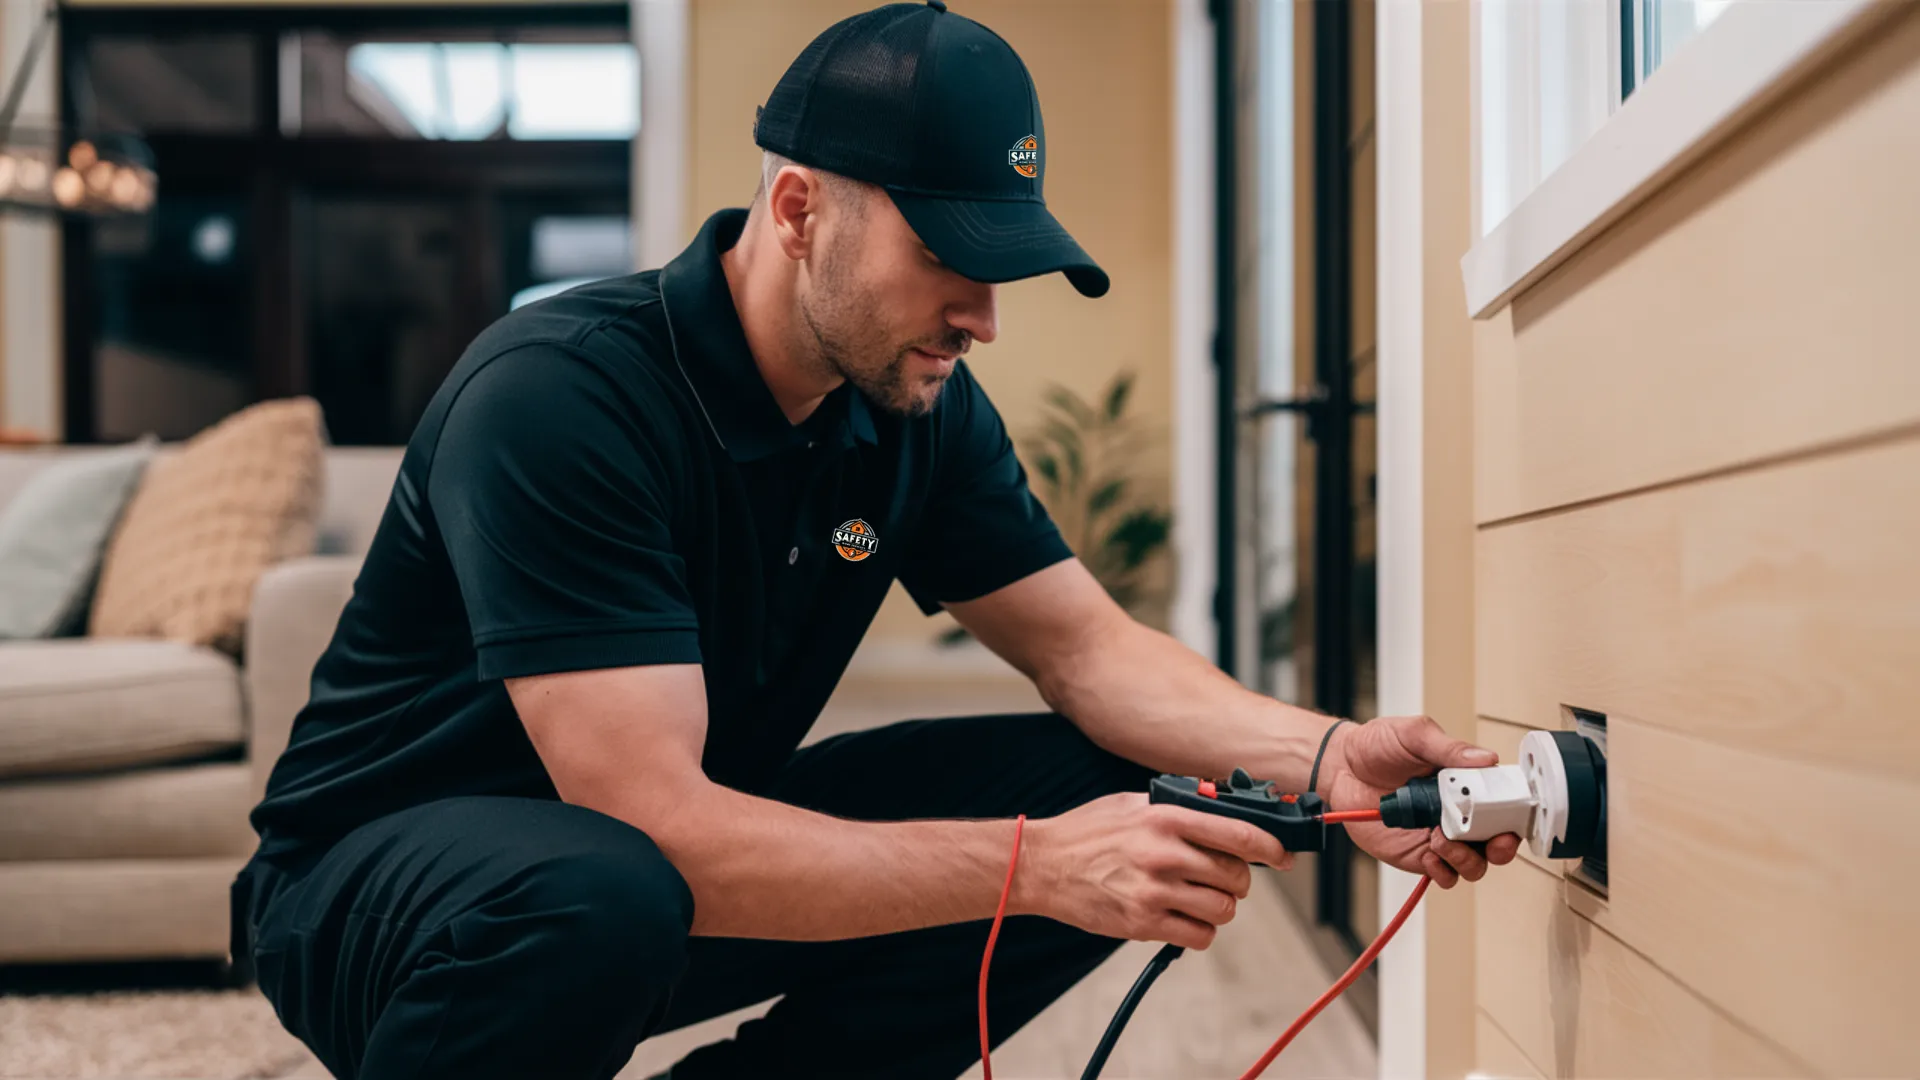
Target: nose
[978, 314]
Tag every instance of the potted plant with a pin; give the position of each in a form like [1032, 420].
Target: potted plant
[1084, 455]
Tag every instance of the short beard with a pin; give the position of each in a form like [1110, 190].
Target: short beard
[848, 340]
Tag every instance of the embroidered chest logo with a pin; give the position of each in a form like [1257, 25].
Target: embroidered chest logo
[1025, 157]
[855, 540]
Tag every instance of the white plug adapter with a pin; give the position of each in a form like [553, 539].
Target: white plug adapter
[1532, 799]
[1480, 804]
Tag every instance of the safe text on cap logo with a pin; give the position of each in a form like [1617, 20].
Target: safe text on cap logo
[1025, 157]
[855, 540]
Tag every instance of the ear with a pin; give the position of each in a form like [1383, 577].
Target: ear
[794, 202]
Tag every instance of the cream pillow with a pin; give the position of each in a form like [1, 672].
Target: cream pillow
[207, 521]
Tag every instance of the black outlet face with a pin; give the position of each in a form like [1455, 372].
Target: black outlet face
[1592, 726]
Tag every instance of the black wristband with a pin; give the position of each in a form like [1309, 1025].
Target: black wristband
[1313, 778]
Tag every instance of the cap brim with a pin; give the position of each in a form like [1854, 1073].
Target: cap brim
[1000, 241]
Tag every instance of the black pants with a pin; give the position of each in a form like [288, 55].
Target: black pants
[494, 937]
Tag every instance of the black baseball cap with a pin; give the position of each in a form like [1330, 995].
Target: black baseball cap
[939, 111]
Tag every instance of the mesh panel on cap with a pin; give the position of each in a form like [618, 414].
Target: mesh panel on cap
[847, 104]
[779, 119]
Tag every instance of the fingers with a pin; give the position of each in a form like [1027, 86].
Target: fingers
[1468, 863]
[1179, 930]
[1501, 849]
[1436, 868]
[1216, 870]
[1249, 842]
[1425, 740]
[1209, 906]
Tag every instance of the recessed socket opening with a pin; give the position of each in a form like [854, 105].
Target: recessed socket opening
[1591, 871]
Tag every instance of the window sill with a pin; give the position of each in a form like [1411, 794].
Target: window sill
[1749, 56]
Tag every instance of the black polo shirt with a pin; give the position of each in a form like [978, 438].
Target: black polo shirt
[604, 480]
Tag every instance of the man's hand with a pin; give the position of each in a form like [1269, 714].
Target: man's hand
[1366, 761]
[1120, 867]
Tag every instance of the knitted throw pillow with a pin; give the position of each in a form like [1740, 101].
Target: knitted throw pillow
[207, 521]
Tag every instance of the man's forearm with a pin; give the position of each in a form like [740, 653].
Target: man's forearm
[1144, 696]
[764, 869]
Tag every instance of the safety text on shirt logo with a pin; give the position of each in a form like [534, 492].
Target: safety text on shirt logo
[855, 540]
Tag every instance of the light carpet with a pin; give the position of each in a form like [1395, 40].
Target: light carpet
[176, 1035]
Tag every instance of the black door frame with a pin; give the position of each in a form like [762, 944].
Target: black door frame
[1328, 409]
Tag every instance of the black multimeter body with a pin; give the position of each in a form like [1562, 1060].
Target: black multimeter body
[1292, 819]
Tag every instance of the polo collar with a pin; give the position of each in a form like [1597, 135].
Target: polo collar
[712, 350]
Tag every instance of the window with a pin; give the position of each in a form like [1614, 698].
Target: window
[463, 90]
[1660, 80]
[572, 250]
[1655, 28]
[1550, 72]
[346, 198]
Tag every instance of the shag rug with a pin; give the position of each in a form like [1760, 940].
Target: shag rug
[144, 1035]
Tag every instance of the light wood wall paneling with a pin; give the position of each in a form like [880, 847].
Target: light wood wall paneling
[1779, 891]
[1783, 891]
[1578, 1003]
[1498, 1056]
[1775, 610]
[1761, 306]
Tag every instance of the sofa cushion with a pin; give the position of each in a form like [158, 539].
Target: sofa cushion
[52, 534]
[167, 812]
[208, 521]
[80, 705]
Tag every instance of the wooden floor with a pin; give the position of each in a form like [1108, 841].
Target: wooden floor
[1210, 1016]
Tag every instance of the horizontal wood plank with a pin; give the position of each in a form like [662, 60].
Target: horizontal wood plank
[1497, 1057]
[1782, 891]
[1762, 305]
[1775, 610]
[1578, 1003]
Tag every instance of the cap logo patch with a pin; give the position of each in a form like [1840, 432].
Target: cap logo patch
[855, 540]
[1025, 157]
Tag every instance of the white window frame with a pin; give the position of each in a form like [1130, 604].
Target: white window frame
[1737, 64]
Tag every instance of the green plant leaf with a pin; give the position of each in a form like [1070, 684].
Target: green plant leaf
[1068, 402]
[1072, 454]
[1049, 470]
[1060, 433]
[1117, 394]
[1139, 534]
[1106, 495]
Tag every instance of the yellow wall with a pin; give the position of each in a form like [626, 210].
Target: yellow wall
[1105, 79]
[1698, 511]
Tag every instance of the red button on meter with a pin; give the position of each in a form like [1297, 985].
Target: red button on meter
[1207, 789]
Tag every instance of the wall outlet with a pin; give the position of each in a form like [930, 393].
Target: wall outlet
[1591, 871]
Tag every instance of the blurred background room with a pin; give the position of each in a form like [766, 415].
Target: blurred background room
[1523, 363]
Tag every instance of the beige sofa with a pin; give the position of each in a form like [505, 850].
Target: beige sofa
[128, 767]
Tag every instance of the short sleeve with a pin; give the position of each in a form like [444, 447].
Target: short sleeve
[552, 491]
[981, 528]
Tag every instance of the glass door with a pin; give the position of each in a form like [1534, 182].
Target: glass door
[1298, 441]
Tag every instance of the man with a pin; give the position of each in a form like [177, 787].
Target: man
[545, 799]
